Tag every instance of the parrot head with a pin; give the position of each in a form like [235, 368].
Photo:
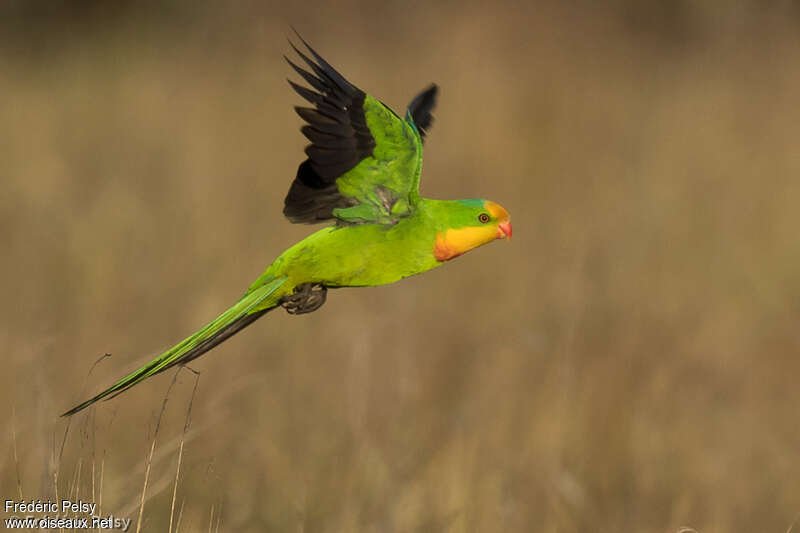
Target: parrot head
[471, 223]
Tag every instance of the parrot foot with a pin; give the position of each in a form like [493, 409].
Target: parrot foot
[306, 298]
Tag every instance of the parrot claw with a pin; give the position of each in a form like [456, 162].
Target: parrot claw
[306, 298]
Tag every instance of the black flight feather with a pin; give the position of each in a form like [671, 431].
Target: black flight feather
[421, 107]
[340, 138]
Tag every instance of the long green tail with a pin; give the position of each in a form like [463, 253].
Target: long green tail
[252, 306]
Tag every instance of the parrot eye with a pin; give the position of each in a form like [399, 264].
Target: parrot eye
[484, 218]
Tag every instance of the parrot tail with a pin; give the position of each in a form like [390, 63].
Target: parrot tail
[250, 308]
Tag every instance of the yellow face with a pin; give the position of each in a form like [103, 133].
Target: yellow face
[492, 223]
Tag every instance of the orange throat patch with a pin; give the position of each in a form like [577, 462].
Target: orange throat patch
[442, 251]
[455, 242]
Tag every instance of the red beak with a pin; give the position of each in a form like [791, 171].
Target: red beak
[505, 227]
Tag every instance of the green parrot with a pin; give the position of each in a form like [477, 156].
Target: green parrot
[362, 172]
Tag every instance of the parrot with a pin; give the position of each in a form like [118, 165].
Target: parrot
[361, 175]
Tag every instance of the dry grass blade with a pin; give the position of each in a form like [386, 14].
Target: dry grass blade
[103, 469]
[100, 492]
[94, 455]
[180, 451]
[14, 443]
[180, 516]
[57, 457]
[76, 478]
[219, 518]
[57, 460]
[794, 523]
[152, 449]
[211, 518]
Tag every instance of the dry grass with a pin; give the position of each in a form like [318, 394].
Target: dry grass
[628, 362]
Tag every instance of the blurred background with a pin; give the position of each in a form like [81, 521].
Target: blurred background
[628, 362]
